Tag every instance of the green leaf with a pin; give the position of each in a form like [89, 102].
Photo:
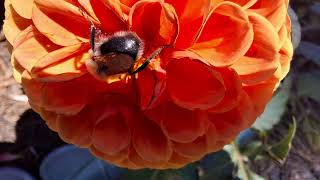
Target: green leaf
[252, 149]
[308, 84]
[275, 109]
[280, 150]
[216, 166]
[249, 143]
[189, 172]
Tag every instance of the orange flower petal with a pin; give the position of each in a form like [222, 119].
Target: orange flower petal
[99, 89]
[111, 134]
[283, 35]
[128, 163]
[274, 11]
[225, 130]
[50, 118]
[63, 64]
[110, 20]
[150, 142]
[48, 95]
[129, 3]
[191, 16]
[226, 36]
[32, 88]
[212, 139]
[146, 83]
[138, 161]
[156, 113]
[243, 3]
[194, 150]
[30, 46]
[261, 94]
[117, 7]
[230, 123]
[160, 20]
[73, 100]
[117, 158]
[23, 7]
[233, 90]
[14, 24]
[182, 125]
[135, 159]
[60, 20]
[262, 59]
[192, 84]
[76, 129]
[151, 86]
[286, 53]
[178, 161]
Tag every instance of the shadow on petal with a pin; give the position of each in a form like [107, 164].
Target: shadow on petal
[14, 24]
[23, 7]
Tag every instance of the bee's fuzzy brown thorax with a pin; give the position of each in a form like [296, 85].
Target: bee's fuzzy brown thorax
[103, 39]
[116, 53]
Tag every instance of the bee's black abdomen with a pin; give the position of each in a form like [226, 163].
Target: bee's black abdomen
[127, 44]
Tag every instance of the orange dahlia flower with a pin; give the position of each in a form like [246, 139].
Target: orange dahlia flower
[222, 62]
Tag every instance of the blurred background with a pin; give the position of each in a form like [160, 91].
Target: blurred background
[291, 122]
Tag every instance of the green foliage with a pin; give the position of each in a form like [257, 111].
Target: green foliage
[253, 150]
[275, 109]
[280, 150]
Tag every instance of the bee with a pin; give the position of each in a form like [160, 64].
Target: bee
[117, 53]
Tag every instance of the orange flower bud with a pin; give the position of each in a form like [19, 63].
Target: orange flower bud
[213, 67]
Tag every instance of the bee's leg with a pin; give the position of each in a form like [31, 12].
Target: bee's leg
[148, 60]
[92, 29]
[92, 37]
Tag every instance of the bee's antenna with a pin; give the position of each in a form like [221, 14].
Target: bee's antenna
[149, 59]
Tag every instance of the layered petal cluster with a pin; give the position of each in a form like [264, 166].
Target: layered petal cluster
[224, 61]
